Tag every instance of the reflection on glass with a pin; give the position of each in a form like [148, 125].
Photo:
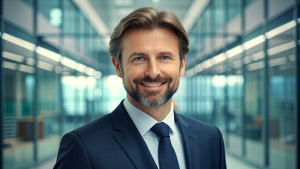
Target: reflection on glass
[282, 119]
[235, 84]
[48, 114]
[218, 116]
[254, 104]
[18, 122]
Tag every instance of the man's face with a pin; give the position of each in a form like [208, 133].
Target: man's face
[150, 66]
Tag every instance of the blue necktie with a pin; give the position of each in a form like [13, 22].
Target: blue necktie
[166, 154]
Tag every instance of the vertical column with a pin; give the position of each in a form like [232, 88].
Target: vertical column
[243, 116]
[226, 116]
[211, 96]
[187, 95]
[265, 127]
[103, 108]
[196, 96]
[87, 102]
[1, 87]
[193, 96]
[76, 120]
[196, 91]
[60, 87]
[78, 35]
[35, 92]
[190, 104]
[225, 37]
[297, 37]
[215, 113]
[74, 74]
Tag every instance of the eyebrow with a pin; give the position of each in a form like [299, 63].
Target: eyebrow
[166, 53]
[144, 54]
[137, 54]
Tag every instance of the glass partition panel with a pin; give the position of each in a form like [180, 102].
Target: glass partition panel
[48, 115]
[18, 120]
[254, 103]
[180, 98]
[218, 86]
[18, 80]
[282, 116]
[235, 84]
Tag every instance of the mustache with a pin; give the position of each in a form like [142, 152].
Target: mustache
[149, 79]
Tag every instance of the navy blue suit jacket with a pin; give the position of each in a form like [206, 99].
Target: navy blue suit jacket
[113, 142]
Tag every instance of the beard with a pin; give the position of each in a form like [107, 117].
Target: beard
[158, 98]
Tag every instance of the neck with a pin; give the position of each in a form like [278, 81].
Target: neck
[158, 113]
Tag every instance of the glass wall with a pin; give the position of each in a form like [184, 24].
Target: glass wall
[282, 104]
[253, 79]
[50, 81]
[48, 113]
[254, 96]
[240, 76]
[18, 99]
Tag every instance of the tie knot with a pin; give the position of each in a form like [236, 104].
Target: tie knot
[161, 130]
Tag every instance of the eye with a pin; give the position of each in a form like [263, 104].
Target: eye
[165, 57]
[138, 59]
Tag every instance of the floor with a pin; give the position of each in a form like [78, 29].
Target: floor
[232, 163]
[235, 163]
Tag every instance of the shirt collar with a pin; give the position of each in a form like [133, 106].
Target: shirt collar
[143, 121]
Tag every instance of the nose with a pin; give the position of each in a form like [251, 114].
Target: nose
[153, 69]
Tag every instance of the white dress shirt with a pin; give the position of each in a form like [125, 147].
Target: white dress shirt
[144, 123]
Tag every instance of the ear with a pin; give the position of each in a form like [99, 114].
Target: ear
[182, 67]
[117, 67]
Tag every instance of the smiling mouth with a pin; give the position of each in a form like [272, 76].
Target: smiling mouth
[152, 84]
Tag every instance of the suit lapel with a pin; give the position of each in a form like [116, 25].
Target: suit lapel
[191, 143]
[130, 140]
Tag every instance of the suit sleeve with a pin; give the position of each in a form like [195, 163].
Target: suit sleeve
[222, 151]
[72, 154]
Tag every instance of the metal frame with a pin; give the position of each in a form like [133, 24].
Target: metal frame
[243, 116]
[35, 92]
[192, 88]
[266, 84]
[1, 89]
[188, 96]
[226, 18]
[297, 81]
[61, 115]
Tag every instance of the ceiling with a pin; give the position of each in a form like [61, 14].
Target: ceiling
[112, 11]
[104, 15]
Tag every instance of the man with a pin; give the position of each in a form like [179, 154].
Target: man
[148, 50]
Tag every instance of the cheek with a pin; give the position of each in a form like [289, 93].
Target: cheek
[129, 76]
[134, 72]
[172, 71]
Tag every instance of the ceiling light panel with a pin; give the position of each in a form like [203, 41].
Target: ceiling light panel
[18, 41]
[123, 2]
[49, 54]
[12, 56]
[26, 69]
[9, 65]
[274, 32]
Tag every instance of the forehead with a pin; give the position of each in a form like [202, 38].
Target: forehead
[150, 39]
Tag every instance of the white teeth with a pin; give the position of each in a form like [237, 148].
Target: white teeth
[152, 84]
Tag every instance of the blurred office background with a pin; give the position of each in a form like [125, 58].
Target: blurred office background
[242, 74]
